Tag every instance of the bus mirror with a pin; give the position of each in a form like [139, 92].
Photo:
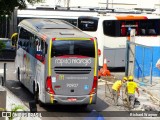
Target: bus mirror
[14, 38]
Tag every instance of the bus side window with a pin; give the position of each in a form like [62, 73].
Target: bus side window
[46, 47]
[40, 49]
[123, 29]
[143, 31]
[43, 48]
[151, 32]
[20, 44]
[32, 47]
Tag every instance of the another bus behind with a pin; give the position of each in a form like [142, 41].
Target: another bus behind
[112, 31]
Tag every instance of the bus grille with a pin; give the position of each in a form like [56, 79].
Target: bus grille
[72, 70]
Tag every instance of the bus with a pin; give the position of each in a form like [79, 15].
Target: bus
[112, 30]
[57, 62]
[70, 15]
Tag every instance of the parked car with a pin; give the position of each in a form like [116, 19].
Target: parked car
[7, 51]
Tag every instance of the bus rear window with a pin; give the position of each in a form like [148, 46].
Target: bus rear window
[73, 47]
[121, 28]
[87, 24]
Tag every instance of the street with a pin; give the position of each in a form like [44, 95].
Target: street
[59, 112]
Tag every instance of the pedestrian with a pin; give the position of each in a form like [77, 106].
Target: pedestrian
[130, 90]
[116, 89]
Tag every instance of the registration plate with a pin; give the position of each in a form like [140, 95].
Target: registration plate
[72, 99]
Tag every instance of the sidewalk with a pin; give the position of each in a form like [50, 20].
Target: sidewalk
[13, 102]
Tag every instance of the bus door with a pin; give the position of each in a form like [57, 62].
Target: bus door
[73, 67]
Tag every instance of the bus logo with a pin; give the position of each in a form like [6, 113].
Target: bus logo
[73, 61]
[60, 77]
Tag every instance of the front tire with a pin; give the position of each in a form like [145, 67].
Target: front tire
[19, 77]
[18, 74]
[36, 96]
[35, 93]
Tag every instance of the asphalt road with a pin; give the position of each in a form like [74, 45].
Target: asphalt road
[61, 112]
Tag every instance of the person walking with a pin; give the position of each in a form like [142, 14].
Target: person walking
[131, 87]
[116, 89]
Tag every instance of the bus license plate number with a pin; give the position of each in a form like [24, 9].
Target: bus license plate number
[72, 99]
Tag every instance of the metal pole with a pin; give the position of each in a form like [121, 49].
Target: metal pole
[6, 27]
[2, 81]
[107, 4]
[151, 67]
[127, 58]
[143, 64]
[4, 75]
[68, 3]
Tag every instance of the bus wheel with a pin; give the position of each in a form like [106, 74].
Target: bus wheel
[19, 77]
[36, 96]
[18, 74]
[35, 93]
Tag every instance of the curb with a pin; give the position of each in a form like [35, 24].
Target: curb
[14, 100]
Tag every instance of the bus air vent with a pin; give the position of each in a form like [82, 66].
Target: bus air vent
[66, 33]
[72, 70]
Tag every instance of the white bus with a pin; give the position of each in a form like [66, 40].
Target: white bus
[57, 62]
[70, 15]
[112, 30]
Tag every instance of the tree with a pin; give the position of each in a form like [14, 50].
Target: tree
[8, 6]
[2, 46]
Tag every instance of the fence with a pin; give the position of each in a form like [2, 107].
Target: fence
[141, 62]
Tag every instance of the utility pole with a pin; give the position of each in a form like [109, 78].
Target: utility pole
[6, 31]
[106, 4]
[68, 2]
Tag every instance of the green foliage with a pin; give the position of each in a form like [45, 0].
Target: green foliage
[2, 109]
[8, 6]
[2, 45]
[16, 108]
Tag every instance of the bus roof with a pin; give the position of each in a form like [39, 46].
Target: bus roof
[113, 16]
[53, 28]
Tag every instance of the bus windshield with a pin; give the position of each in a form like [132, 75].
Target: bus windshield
[73, 47]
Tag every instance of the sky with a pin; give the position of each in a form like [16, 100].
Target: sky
[96, 3]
